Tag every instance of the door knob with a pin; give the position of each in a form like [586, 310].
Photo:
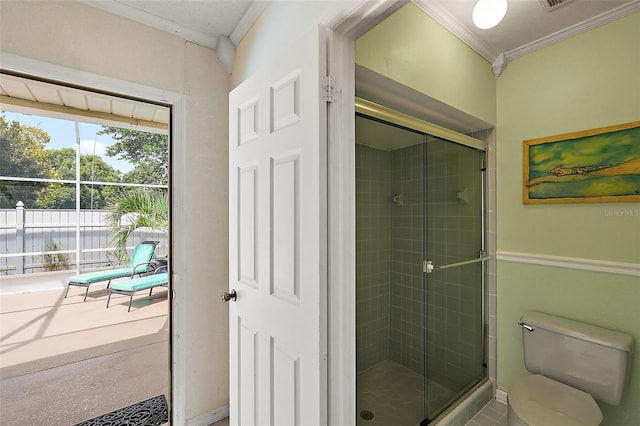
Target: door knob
[229, 296]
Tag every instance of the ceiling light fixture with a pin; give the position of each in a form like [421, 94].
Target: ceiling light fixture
[488, 13]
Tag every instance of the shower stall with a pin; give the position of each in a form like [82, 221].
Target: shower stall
[420, 269]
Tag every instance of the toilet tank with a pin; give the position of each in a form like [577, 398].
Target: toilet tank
[593, 359]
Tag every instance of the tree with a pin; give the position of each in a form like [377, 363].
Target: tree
[148, 152]
[23, 154]
[92, 168]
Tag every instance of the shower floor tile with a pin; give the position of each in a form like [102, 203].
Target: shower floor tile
[395, 395]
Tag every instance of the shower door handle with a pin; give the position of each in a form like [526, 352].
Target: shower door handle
[428, 266]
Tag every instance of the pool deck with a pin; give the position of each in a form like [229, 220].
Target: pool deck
[43, 329]
[50, 342]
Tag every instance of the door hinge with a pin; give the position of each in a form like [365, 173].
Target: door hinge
[330, 90]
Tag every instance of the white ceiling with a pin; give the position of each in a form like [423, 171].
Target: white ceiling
[526, 26]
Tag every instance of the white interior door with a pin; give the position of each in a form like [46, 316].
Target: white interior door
[277, 240]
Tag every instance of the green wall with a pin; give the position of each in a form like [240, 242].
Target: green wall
[412, 48]
[588, 81]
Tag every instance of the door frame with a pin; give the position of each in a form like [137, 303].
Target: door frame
[341, 261]
[345, 29]
[177, 103]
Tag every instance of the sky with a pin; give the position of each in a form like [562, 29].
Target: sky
[63, 135]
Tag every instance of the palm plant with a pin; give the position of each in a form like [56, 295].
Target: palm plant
[133, 210]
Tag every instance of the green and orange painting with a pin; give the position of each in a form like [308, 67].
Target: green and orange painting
[600, 165]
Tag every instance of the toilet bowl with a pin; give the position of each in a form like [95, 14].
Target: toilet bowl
[539, 401]
[572, 363]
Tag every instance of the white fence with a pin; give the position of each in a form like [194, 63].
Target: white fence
[34, 240]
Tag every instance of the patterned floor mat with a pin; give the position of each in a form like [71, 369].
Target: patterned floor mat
[152, 412]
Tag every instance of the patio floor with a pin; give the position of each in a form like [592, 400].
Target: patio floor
[63, 361]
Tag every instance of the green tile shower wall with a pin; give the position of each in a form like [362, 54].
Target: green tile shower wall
[372, 256]
[407, 303]
[391, 314]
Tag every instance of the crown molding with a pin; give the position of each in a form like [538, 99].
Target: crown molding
[500, 61]
[247, 20]
[574, 30]
[187, 33]
[154, 21]
[450, 22]
[364, 16]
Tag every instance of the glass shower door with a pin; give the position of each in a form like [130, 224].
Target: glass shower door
[419, 326]
[453, 272]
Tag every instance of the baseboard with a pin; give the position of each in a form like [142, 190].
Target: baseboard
[209, 418]
[501, 396]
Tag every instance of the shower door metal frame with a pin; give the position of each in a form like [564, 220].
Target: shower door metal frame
[382, 113]
[429, 268]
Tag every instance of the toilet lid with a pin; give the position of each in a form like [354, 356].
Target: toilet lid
[540, 401]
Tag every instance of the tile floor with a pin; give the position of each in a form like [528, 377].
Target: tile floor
[394, 395]
[390, 394]
[493, 414]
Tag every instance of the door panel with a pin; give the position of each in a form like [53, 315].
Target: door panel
[247, 223]
[277, 232]
[246, 373]
[454, 243]
[286, 406]
[285, 217]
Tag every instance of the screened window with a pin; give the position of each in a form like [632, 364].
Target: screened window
[60, 178]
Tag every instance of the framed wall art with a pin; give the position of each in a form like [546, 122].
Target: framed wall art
[598, 165]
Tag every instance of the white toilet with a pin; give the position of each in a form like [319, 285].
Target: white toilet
[573, 363]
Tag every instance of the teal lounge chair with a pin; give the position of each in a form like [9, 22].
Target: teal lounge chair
[140, 263]
[132, 286]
